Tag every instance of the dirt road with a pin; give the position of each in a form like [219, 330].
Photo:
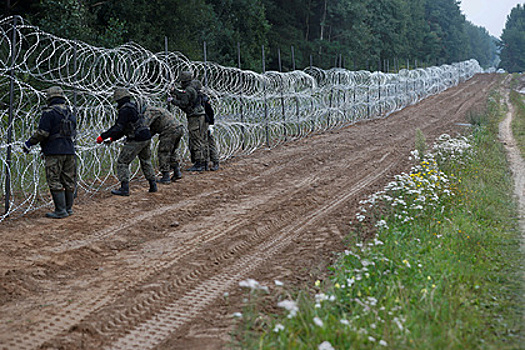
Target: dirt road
[150, 271]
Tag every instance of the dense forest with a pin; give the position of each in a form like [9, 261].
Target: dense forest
[513, 41]
[356, 34]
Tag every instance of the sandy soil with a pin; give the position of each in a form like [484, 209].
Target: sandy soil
[150, 271]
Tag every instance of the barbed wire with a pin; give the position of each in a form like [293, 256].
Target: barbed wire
[253, 110]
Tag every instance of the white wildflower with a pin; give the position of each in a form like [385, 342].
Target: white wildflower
[325, 346]
[290, 306]
[318, 321]
[253, 285]
[278, 327]
[382, 224]
[378, 242]
[366, 263]
[398, 323]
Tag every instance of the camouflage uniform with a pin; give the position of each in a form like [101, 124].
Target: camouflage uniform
[210, 147]
[55, 133]
[137, 143]
[187, 100]
[170, 131]
[131, 150]
[61, 172]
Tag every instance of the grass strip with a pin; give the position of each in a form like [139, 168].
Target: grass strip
[518, 122]
[434, 262]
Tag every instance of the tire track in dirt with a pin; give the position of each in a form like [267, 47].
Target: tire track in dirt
[78, 310]
[186, 279]
[181, 310]
[199, 236]
[112, 230]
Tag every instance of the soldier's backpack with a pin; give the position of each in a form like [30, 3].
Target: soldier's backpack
[208, 109]
[140, 124]
[66, 129]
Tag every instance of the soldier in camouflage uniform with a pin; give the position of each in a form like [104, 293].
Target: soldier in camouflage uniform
[187, 100]
[162, 122]
[210, 147]
[55, 133]
[138, 142]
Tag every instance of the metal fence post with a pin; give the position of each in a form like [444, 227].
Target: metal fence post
[281, 93]
[293, 58]
[241, 109]
[167, 67]
[205, 65]
[267, 126]
[296, 98]
[10, 125]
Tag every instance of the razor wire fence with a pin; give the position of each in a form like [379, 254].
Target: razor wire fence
[253, 110]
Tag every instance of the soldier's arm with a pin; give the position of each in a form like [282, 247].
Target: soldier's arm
[43, 131]
[39, 136]
[117, 130]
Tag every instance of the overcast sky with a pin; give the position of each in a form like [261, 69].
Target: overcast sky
[491, 14]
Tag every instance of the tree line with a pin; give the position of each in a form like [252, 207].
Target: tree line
[513, 41]
[356, 34]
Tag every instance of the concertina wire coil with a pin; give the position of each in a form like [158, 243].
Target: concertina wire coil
[253, 110]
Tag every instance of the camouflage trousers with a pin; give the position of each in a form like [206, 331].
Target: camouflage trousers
[61, 172]
[210, 146]
[130, 150]
[168, 151]
[197, 137]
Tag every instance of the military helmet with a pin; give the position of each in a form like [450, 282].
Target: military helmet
[54, 91]
[120, 93]
[185, 76]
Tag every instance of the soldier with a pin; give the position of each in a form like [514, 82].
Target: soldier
[138, 141]
[210, 147]
[162, 122]
[55, 133]
[188, 101]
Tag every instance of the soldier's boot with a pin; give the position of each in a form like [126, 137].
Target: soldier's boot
[59, 198]
[70, 198]
[198, 166]
[123, 190]
[215, 166]
[153, 185]
[206, 166]
[165, 179]
[177, 175]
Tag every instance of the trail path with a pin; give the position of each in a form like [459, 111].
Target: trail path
[517, 164]
[150, 271]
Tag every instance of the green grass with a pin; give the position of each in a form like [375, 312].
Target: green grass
[442, 275]
[518, 122]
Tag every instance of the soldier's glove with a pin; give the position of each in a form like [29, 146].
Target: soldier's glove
[211, 129]
[26, 147]
[100, 140]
